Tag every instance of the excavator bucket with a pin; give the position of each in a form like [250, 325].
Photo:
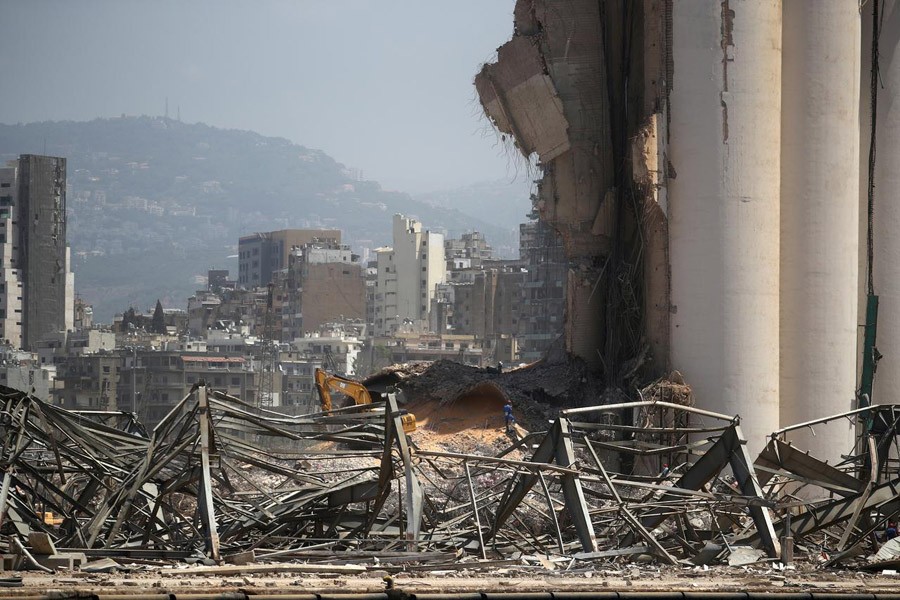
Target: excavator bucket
[409, 422]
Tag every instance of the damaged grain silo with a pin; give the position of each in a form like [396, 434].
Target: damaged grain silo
[553, 90]
[701, 162]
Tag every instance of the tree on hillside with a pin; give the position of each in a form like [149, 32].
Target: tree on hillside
[129, 318]
[158, 325]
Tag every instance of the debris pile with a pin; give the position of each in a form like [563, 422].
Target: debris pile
[219, 479]
[539, 389]
[187, 487]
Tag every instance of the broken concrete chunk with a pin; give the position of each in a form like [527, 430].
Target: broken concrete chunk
[522, 100]
[744, 555]
[241, 558]
[104, 565]
[707, 554]
[41, 543]
[62, 560]
[889, 551]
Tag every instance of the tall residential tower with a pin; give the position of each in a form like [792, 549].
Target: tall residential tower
[37, 288]
[407, 274]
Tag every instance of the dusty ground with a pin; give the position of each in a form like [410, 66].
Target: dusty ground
[630, 578]
[472, 425]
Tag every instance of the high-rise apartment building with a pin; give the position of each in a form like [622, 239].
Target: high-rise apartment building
[470, 251]
[324, 282]
[37, 288]
[262, 254]
[10, 275]
[407, 275]
[543, 299]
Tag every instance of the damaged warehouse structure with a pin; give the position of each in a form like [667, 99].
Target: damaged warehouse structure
[219, 479]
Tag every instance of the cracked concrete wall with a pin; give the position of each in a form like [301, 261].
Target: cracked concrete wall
[548, 90]
[742, 217]
[650, 172]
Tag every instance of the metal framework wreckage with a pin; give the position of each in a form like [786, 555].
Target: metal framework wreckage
[219, 477]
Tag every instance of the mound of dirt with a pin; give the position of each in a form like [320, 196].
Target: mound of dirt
[450, 398]
[470, 412]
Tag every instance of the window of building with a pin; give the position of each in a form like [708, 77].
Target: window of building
[235, 381]
[106, 369]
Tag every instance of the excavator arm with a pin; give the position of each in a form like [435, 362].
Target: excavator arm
[326, 384]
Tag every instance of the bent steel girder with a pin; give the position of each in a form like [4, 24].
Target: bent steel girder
[556, 445]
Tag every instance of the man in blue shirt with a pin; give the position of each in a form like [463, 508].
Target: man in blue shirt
[508, 416]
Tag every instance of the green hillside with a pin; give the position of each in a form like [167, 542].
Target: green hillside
[153, 203]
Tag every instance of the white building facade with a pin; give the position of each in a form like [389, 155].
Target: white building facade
[407, 275]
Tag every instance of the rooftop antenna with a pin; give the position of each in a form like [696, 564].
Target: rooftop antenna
[179, 113]
[167, 108]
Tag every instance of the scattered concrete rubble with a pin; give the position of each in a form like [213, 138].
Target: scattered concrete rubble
[220, 481]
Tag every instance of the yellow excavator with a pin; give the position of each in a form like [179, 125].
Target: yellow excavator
[327, 384]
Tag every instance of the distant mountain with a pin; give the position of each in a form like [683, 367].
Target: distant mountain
[153, 203]
[501, 202]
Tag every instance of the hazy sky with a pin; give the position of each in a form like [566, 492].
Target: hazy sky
[381, 85]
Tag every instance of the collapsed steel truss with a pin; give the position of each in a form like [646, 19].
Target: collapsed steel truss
[221, 477]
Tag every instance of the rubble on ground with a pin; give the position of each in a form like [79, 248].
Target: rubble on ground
[598, 486]
[538, 390]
